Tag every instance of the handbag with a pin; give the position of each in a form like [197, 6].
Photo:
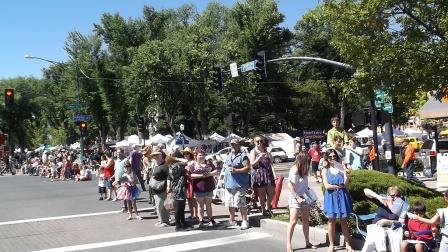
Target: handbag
[168, 204]
[156, 185]
[310, 197]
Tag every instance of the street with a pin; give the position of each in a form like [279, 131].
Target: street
[38, 214]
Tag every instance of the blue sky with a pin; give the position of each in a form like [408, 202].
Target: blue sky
[40, 27]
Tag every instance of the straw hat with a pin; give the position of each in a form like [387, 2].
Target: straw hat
[188, 150]
[157, 151]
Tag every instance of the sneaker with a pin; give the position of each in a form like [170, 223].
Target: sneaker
[201, 223]
[115, 199]
[101, 198]
[244, 225]
[231, 224]
[139, 217]
[130, 217]
[163, 225]
[212, 223]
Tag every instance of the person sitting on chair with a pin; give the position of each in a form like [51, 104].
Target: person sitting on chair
[388, 215]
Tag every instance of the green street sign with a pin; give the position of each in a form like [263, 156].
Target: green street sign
[73, 106]
[383, 101]
[388, 108]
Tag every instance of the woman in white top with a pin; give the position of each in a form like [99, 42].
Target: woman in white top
[298, 186]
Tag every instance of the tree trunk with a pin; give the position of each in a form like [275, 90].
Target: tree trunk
[170, 120]
[204, 121]
[103, 136]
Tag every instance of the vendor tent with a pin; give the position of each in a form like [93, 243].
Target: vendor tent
[232, 136]
[158, 139]
[365, 133]
[434, 109]
[217, 137]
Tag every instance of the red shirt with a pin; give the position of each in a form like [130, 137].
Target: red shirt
[315, 154]
[417, 226]
[109, 169]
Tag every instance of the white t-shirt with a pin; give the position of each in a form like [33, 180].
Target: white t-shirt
[300, 184]
[101, 181]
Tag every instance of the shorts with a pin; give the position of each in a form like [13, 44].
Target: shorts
[203, 194]
[314, 166]
[235, 197]
[109, 183]
[101, 189]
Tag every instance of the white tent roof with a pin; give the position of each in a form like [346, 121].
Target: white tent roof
[278, 137]
[133, 139]
[217, 137]
[412, 131]
[189, 142]
[169, 136]
[158, 139]
[232, 136]
[365, 133]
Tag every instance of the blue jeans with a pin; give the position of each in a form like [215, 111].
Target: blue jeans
[410, 170]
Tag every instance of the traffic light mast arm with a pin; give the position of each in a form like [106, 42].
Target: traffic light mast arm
[325, 61]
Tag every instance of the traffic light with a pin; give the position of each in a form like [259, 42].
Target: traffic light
[360, 118]
[141, 124]
[9, 97]
[217, 78]
[83, 128]
[260, 65]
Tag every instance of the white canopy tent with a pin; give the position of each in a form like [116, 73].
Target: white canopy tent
[75, 146]
[182, 140]
[365, 133]
[217, 137]
[158, 139]
[232, 136]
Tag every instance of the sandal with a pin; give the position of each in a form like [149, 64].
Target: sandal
[310, 246]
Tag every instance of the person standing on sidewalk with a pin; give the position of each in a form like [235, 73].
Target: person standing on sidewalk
[136, 162]
[237, 180]
[337, 202]
[315, 153]
[298, 186]
[263, 175]
[408, 160]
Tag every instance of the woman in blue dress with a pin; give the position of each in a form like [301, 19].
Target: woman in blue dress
[337, 202]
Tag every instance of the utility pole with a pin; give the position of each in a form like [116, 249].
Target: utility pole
[376, 162]
[390, 145]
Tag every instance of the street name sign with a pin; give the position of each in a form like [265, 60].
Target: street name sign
[234, 70]
[80, 118]
[248, 66]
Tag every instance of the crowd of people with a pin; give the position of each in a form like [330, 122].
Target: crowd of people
[179, 177]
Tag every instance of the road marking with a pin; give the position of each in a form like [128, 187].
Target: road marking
[209, 243]
[66, 217]
[122, 242]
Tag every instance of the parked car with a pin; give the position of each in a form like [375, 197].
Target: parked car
[428, 155]
[278, 154]
[222, 154]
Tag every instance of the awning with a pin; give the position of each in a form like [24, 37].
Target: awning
[434, 109]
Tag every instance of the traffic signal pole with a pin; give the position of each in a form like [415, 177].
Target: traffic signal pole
[390, 145]
[376, 161]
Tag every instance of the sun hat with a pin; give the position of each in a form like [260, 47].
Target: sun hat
[188, 150]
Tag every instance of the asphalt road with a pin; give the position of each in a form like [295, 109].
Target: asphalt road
[37, 214]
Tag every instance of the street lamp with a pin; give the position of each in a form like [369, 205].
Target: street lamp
[182, 127]
[27, 56]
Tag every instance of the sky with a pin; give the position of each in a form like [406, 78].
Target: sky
[40, 27]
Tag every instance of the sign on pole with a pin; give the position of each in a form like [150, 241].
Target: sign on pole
[81, 118]
[234, 70]
[73, 106]
[383, 101]
[248, 66]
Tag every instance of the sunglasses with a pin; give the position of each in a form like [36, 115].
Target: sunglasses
[332, 156]
[259, 141]
[392, 195]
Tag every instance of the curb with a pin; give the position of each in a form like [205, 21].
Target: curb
[317, 235]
